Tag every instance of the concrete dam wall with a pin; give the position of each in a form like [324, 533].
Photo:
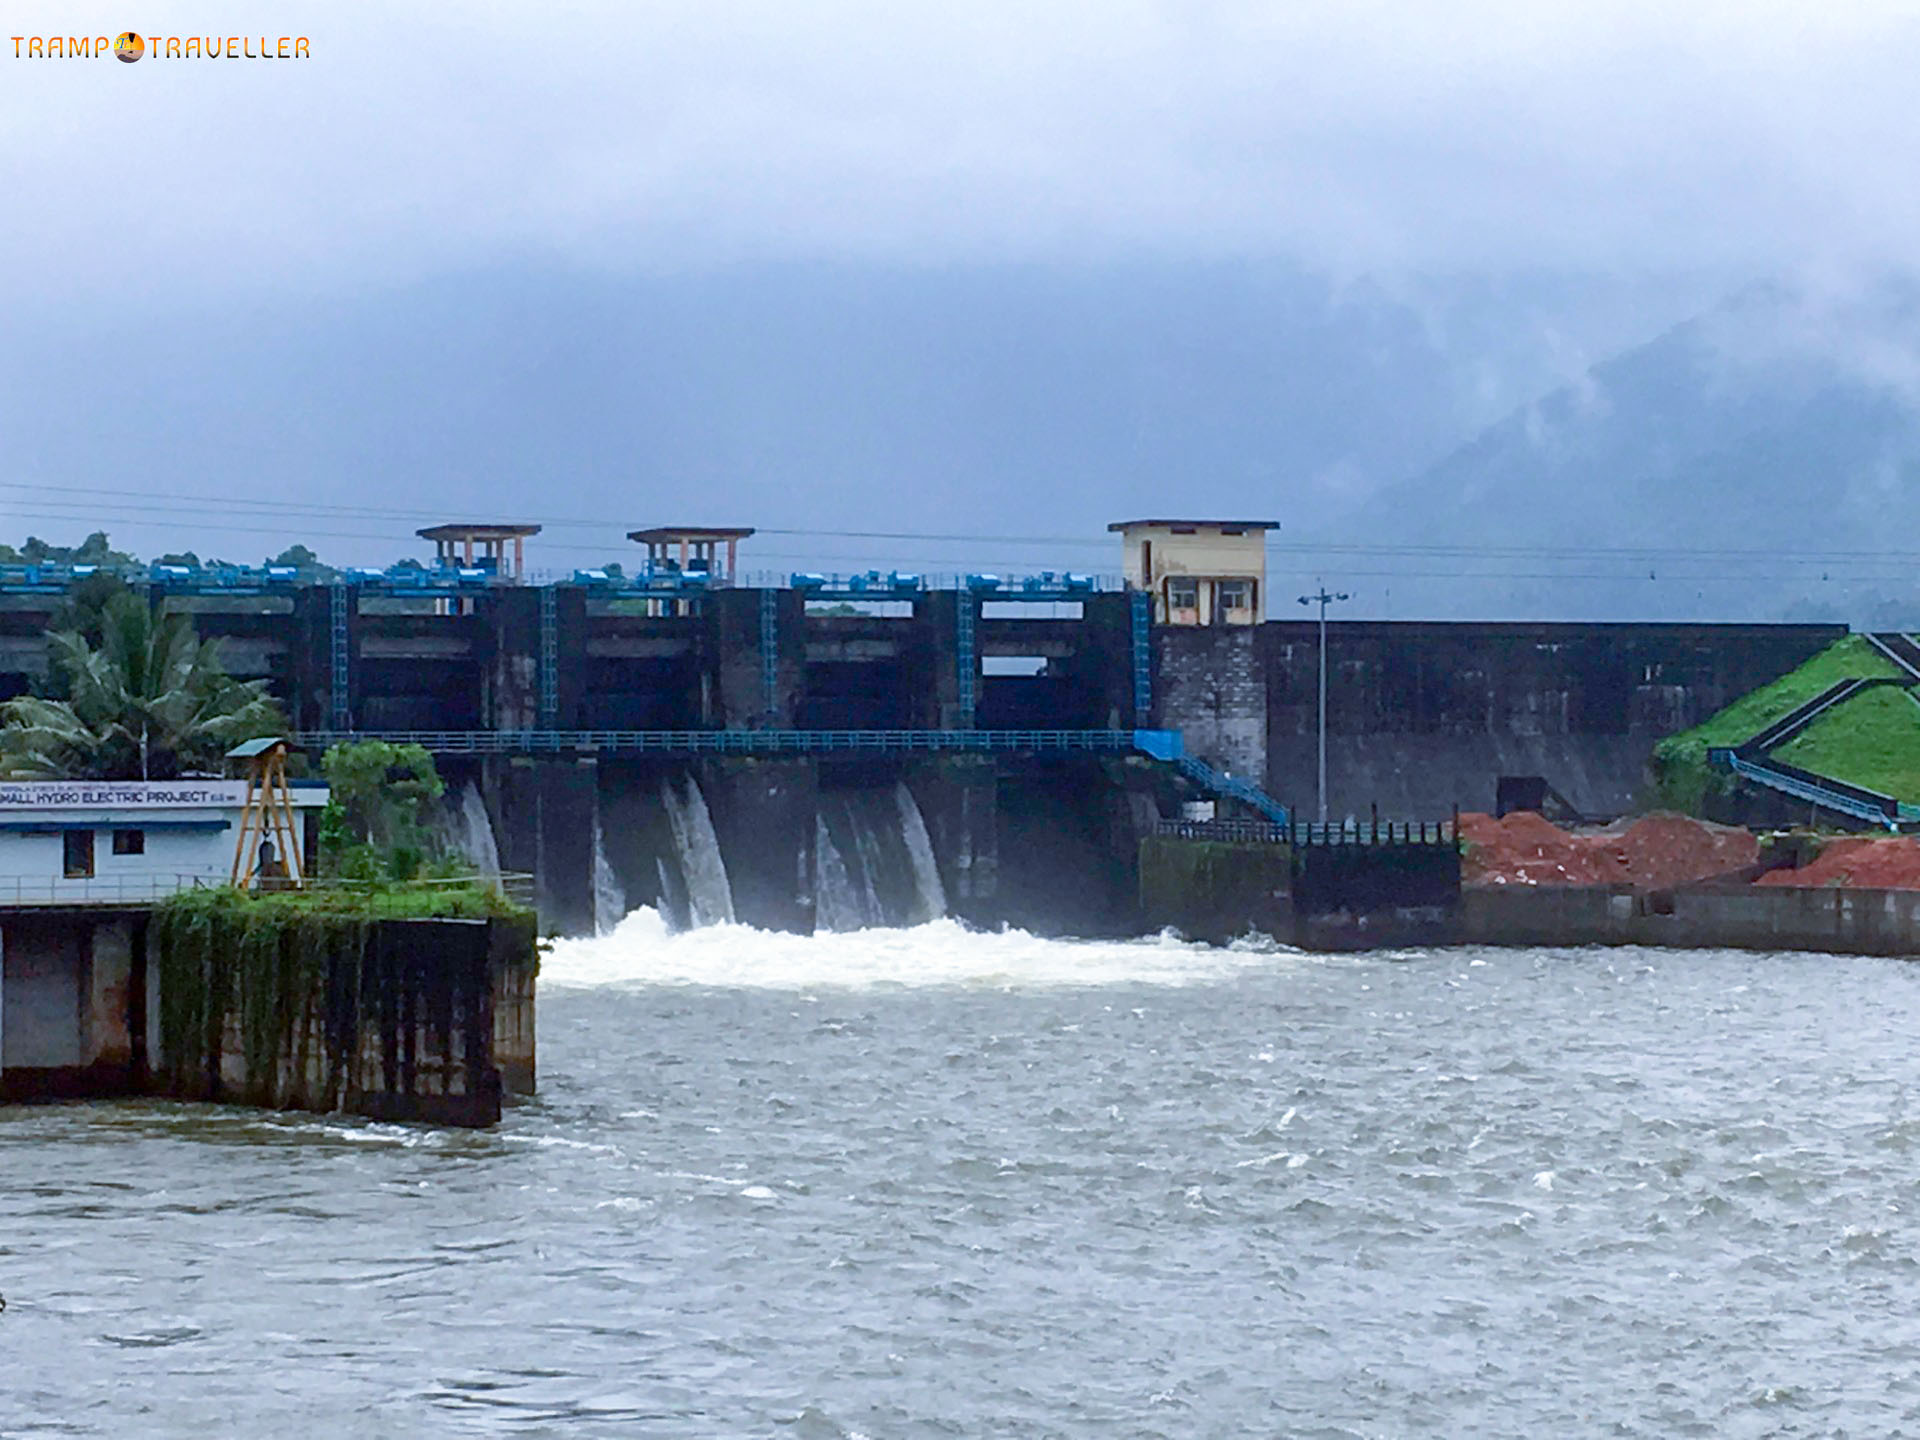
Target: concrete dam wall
[804, 844]
[1421, 717]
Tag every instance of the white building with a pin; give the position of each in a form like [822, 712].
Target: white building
[1199, 572]
[78, 842]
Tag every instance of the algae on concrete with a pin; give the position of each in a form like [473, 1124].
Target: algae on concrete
[287, 967]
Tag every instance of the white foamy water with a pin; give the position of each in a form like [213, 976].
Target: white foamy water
[837, 905]
[926, 872]
[709, 892]
[609, 899]
[643, 951]
[926, 1182]
[470, 832]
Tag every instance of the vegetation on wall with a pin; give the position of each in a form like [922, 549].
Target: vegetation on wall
[297, 975]
[98, 550]
[145, 700]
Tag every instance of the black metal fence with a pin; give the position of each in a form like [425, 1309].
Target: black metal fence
[1366, 833]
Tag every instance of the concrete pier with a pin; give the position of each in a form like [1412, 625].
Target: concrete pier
[400, 1019]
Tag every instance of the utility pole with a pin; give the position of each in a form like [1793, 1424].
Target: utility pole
[1324, 598]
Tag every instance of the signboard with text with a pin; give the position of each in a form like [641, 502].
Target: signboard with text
[122, 794]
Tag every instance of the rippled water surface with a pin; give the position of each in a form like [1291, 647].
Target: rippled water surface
[925, 1183]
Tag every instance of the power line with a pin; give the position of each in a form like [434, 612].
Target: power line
[175, 504]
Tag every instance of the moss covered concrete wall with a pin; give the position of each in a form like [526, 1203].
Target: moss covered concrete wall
[280, 1006]
[1216, 890]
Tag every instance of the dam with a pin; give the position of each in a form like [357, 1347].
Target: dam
[809, 751]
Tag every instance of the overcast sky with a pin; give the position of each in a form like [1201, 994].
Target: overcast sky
[1359, 136]
[176, 224]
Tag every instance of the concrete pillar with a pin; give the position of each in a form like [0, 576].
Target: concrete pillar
[510, 696]
[958, 797]
[543, 814]
[763, 815]
[736, 670]
[568, 799]
[1210, 684]
[938, 613]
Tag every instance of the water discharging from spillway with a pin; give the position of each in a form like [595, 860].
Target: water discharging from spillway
[709, 893]
[609, 898]
[469, 832]
[872, 866]
[873, 862]
[931, 894]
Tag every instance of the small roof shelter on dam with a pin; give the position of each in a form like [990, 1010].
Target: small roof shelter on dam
[1199, 572]
[484, 547]
[694, 549]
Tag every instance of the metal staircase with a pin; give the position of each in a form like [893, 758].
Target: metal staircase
[341, 706]
[770, 654]
[1226, 787]
[1140, 605]
[549, 659]
[1171, 747]
[1829, 794]
[966, 612]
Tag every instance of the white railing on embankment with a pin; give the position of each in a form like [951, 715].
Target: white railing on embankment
[38, 891]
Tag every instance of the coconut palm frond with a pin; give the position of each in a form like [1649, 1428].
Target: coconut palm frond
[147, 702]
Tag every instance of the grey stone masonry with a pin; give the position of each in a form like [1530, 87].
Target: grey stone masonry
[1210, 684]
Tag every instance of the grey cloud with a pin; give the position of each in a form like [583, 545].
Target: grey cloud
[1357, 138]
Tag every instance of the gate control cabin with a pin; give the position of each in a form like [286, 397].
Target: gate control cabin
[1199, 572]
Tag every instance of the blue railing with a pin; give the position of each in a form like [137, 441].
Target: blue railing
[416, 581]
[734, 742]
[1231, 788]
[1833, 795]
[1164, 745]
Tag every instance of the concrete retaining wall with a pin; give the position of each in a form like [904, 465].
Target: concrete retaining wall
[414, 1020]
[1765, 917]
[1216, 891]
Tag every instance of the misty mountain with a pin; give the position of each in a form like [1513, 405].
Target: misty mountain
[983, 401]
[1758, 461]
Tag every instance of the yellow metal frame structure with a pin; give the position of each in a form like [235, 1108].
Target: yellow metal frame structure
[268, 815]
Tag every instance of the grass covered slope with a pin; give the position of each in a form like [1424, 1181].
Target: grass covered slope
[1872, 740]
[1680, 761]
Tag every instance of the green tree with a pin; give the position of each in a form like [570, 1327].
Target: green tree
[382, 801]
[145, 701]
[96, 549]
[306, 562]
[83, 609]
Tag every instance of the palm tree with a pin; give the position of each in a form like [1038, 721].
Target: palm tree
[148, 703]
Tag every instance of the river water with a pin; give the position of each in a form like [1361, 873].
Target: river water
[932, 1183]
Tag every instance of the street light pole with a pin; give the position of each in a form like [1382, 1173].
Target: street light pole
[1324, 598]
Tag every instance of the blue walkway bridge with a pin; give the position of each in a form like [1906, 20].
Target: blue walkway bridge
[1167, 746]
[642, 582]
